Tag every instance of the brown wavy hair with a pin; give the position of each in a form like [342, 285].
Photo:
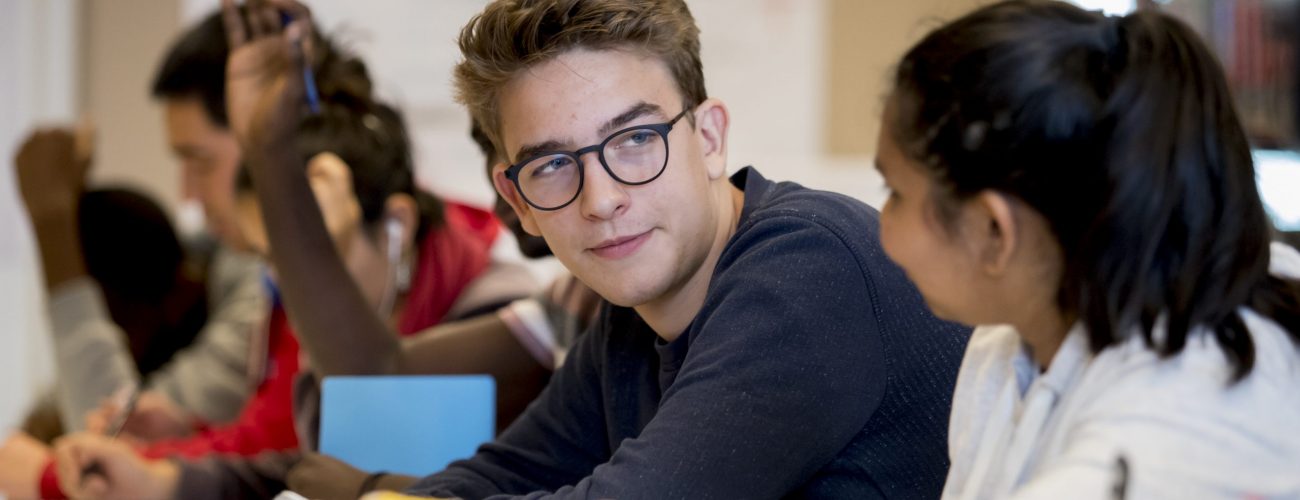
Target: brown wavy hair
[510, 36]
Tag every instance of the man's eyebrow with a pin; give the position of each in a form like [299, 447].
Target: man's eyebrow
[637, 110]
[531, 150]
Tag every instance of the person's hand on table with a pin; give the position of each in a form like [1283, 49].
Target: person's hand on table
[155, 418]
[22, 459]
[323, 476]
[122, 472]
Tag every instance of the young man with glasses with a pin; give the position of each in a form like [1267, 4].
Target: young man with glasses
[757, 344]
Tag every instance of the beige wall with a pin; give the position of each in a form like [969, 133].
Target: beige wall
[865, 40]
[123, 41]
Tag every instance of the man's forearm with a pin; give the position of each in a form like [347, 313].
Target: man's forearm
[332, 317]
[92, 357]
[60, 246]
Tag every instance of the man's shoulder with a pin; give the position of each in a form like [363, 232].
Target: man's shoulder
[793, 202]
[825, 244]
[786, 218]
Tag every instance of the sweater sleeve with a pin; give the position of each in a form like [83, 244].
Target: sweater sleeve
[210, 377]
[783, 370]
[93, 360]
[220, 477]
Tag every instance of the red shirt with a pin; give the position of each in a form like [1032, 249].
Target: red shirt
[266, 422]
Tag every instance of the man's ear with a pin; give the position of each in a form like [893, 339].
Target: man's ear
[712, 121]
[993, 230]
[402, 207]
[506, 190]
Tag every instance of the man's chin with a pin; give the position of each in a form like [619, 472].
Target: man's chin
[623, 292]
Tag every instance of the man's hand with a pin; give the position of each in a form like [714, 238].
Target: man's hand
[22, 459]
[264, 75]
[51, 168]
[321, 476]
[122, 473]
[155, 417]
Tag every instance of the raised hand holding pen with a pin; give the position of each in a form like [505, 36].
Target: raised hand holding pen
[266, 75]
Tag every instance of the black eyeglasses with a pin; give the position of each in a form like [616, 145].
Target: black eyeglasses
[633, 156]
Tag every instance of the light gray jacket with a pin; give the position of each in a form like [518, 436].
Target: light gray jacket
[209, 378]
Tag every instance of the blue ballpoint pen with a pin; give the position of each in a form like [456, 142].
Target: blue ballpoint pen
[308, 76]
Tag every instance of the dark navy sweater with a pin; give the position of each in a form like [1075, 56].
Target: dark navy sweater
[813, 370]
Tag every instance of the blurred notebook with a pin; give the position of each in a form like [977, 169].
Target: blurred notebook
[407, 425]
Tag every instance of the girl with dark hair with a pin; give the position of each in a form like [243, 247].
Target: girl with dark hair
[1084, 182]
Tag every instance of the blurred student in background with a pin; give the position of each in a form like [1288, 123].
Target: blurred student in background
[152, 285]
[415, 260]
[206, 383]
[519, 346]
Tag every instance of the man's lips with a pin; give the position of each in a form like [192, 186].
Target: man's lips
[623, 246]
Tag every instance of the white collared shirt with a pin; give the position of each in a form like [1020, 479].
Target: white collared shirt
[1180, 429]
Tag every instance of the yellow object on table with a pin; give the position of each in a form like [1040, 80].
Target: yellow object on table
[393, 495]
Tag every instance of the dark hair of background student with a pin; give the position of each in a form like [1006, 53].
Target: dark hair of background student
[371, 138]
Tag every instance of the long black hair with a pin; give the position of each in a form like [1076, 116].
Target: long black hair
[371, 138]
[1121, 132]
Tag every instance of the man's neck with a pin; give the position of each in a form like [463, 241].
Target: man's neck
[670, 314]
